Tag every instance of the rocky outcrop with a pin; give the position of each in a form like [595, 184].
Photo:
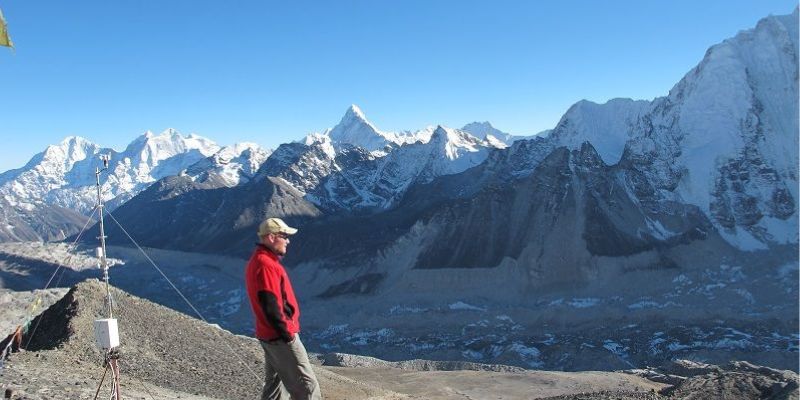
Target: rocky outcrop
[736, 380]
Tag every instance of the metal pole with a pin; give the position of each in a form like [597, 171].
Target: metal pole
[111, 356]
[103, 261]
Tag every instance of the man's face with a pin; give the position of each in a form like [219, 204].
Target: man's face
[277, 242]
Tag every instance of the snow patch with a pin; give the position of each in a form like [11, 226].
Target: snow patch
[472, 354]
[232, 304]
[505, 318]
[746, 295]
[460, 305]
[584, 302]
[397, 310]
[363, 338]
[786, 270]
[742, 240]
[528, 354]
[332, 330]
[682, 279]
[556, 302]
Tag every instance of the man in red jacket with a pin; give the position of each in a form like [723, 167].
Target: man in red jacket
[277, 315]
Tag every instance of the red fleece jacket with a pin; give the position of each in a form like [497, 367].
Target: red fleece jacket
[272, 299]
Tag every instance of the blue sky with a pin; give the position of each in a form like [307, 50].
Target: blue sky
[270, 72]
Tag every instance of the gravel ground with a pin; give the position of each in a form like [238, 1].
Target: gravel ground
[611, 395]
[19, 307]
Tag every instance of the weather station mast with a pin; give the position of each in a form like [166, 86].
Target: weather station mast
[106, 331]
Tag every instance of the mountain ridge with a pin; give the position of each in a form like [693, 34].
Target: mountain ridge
[659, 150]
[686, 154]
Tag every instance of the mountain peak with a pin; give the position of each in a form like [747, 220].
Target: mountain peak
[354, 115]
[69, 139]
[72, 148]
[607, 126]
[478, 125]
[486, 132]
[75, 140]
[174, 136]
[356, 130]
[735, 82]
[355, 112]
[439, 134]
[150, 150]
[455, 138]
[170, 132]
[144, 138]
[315, 137]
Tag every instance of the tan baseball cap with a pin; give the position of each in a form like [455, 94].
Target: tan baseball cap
[275, 225]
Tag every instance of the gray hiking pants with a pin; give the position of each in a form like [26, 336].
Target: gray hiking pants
[288, 372]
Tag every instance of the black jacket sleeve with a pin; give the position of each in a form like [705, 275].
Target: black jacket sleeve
[274, 314]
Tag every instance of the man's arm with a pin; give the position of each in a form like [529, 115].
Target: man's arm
[270, 302]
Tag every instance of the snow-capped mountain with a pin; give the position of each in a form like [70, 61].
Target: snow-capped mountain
[355, 166]
[365, 181]
[606, 126]
[301, 180]
[354, 129]
[719, 153]
[63, 177]
[485, 131]
[724, 140]
[151, 157]
[50, 170]
[713, 164]
[230, 166]
[726, 137]
[448, 151]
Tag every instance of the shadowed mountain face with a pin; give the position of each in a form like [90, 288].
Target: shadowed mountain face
[573, 203]
[194, 217]
[48, 222]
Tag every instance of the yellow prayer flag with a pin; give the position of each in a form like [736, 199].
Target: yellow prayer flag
[4, 39]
